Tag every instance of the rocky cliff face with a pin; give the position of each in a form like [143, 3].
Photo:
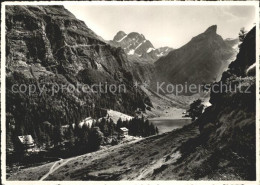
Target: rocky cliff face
[53, 38]
[48, 46]
[201, 60]
[137, 45]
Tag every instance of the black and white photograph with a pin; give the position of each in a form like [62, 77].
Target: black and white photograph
[130, 91]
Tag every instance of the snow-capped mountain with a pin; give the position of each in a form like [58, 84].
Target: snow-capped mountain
[136, 44]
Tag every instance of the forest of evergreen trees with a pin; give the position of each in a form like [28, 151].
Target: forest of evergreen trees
[52, 119]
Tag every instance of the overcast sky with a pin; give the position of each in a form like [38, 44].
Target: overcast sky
[164, 25]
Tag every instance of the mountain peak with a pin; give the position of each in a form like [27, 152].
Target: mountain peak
[135, 43]
[211, 29]
[121, 33]
[119, 36]
[211, 56]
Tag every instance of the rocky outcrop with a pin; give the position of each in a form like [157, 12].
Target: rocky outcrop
[245, 57]
[201, 60]
[47, 46]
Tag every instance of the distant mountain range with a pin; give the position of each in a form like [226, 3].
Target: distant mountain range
[135, 44]
[202, 60]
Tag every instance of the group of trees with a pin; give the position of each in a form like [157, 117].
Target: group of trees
[242, 35]
[196, 109]
[107, 126]
[71, 140]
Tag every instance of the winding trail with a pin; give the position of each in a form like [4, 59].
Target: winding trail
[56, 166]
[52, 169]
[63, 162]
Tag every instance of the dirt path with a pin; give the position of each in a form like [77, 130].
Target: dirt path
[45, 172]
[62, 162]
[52, 169]
[56, 166]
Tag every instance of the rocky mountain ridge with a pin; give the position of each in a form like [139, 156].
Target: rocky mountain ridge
[136, 44]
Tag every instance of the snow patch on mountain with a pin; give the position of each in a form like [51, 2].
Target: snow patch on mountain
[149, 50]
[160, 54]
[139, 45]
[122, 38]
[131, 52]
